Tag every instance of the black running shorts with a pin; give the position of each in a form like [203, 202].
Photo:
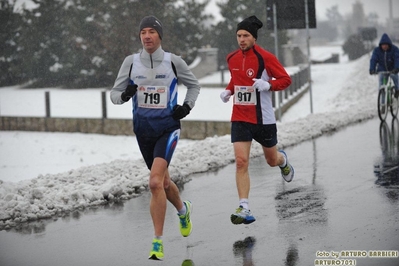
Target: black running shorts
[266, 135]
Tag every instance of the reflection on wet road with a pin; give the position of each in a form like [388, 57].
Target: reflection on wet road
[344, 198]
[386, 167]
[243, 249]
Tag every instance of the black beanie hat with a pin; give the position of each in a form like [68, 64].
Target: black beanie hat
[152, 22]
[251, 24]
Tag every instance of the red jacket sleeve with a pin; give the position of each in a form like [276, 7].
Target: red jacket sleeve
[281, 80]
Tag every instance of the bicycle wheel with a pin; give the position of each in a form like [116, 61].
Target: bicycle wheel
[394, 104]
[382, 107]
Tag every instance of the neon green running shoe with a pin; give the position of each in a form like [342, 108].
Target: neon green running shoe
[156, 252]
[186, 226]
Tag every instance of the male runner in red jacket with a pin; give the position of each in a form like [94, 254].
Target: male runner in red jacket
[255, 73]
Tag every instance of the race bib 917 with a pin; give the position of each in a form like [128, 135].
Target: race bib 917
[244, 95]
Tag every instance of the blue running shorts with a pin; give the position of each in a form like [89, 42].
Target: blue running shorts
[162, 146]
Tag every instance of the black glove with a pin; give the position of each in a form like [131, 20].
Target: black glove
[180, 111]
[129, 92]
[395, 71]
[372, 72]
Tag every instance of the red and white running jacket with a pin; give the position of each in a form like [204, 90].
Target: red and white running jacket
[250, 105]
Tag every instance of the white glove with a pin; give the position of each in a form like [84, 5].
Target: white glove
[225, 95]
[261, 85]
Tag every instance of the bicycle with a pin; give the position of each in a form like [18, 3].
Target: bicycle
[386, 98]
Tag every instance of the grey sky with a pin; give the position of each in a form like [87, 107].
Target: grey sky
[381, 7]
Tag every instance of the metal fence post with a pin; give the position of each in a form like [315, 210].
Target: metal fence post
[104, 104]
[47, 100]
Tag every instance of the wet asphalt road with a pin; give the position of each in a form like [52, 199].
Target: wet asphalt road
[345, 197]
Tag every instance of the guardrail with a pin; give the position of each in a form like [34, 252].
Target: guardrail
[104, 125]
[289, 96]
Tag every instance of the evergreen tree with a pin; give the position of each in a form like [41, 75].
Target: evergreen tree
[9, 34]
[75, 43]
[354, 47]
[358, 18]
[355, 20]
[47, 46]
[185, 27]
[325, 30]
[335, 23]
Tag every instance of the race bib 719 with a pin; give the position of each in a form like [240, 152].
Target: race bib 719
[152, 97]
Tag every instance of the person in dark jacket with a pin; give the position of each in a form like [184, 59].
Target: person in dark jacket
[385, 57]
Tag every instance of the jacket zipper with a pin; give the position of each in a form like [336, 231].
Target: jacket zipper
[243, 62]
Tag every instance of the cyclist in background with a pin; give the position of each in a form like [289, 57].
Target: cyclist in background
[385, 57]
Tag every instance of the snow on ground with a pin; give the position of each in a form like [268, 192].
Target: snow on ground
[56, 173]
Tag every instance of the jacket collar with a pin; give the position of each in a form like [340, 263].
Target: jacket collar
[155, 56]
[250, 51]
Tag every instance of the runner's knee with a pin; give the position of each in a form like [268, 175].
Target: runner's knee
[155, 183]
[241, 163]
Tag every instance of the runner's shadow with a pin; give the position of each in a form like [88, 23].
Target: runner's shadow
[243, 249]
[292, 256]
